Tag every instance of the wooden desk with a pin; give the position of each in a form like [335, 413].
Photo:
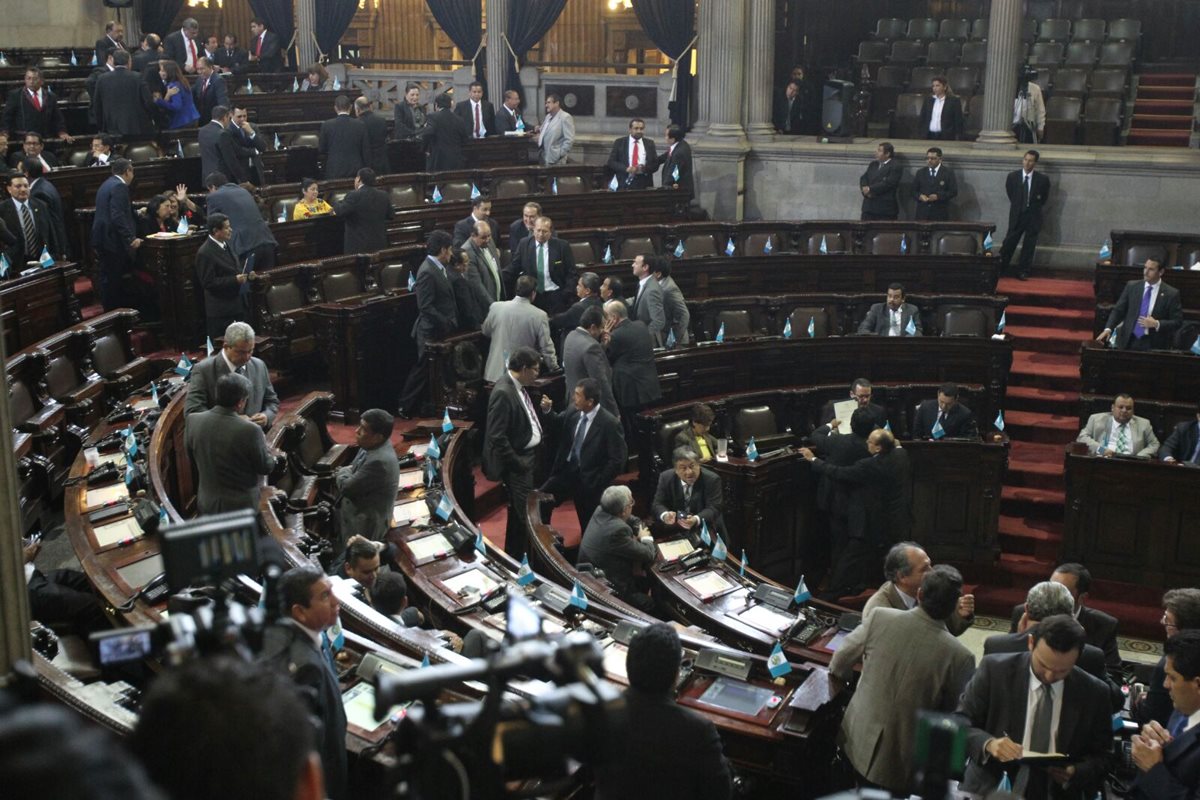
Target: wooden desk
[38, 305]
[1132, 248]
[1157, 375]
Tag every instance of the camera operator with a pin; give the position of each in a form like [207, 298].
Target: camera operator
[668, 751]
[223, 727]
[1029, 109]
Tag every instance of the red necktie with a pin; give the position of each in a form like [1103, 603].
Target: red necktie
[33, 96]
[192, 49]
[477, 120]
[258, 49]
[633, 160]
[204, 86]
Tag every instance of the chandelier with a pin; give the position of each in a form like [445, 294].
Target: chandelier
[205, 3]
[620, 5]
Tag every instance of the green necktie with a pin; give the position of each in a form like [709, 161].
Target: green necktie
[1122, 438]
[541, 268]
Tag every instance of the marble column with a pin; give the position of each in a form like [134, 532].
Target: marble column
[306, 45]
[721, 67]
[14, 597]
[1000, 83]
[497, 53]
[760, 65]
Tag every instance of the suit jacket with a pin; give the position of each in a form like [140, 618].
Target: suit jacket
[175, 48]
[878, 414]
[1177, 777]
[364, 213]
[206, 94]
[959, 423]
[376, 142]
[405, 122]
[841, 450]
[560, 264]
[344, 146]
[445, 135]
[104, 46]
[1101, 630]
[647, 306]
[910, 663]
[602, 455]
[993, 704]
[234, 60]
[43, 221]
[880, 501]
[465, 227]
[944, 185]
[1091, 660]
[953, 124]
[563, 323]
[517, 233]
[1156, 703]
[250, 230]
[202, 387]
[675, 309]
[687, 438]
[471, 301]
[143, 58]
[618, 161]
[506, 121]
[1037, 200]
[609, 543]
[1168, 310]
[785, 120]
[487, 115]
[122, 104]
[239, 152]
[112, 227]
[270, 55]
[1142, 441]
[230, 453]
[212, 153]
[692, 768]
[1181, 442]
[480, 272]
[217, 270]
[631, 353]
[516, 323]
[679, 157]
[505, 444]
[706, 501]
[556, 138]
[20, 115]
[883, 179]
[878, 320]
[438, 312]
[583, 357]
[888, 596]
[367, 491]
[18, 157]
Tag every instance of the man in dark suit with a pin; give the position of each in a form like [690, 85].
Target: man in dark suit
[33, 149]
[228, 449]
[62, 598]
[1148, 313]
[583, 357]
[1101, 628]
[1028, 190]
[1047, 599]
[522, 228]
[892, 317]
[150, 53]
[113, 39]
[688, 496]
[954, 419]
[591, 452]
[861, 392]
[788, 116]
[231, 58]
[693, 766]
[236, 356]
[343, 142]
[241, 147]
[40, 188]
[252, 236]
[550, 262]
[879, 183]
[934, 186]
[941, 113]
[841, 449]
[364, 213]
[1181, 612]
[481, 211]
[1168, 758]
[631, 353]
[33, 108]
[376, 136]
[122, 102]
[615, 542]
[366, 489]
[587, 289]
[113, 234]
[677, 163]
[477, 113]
[633, 158]
[514, 433]
[213, 149]
[1011, 704]
[221, 278]
[208, 91]
[1183, 443]
[437, 317]
[646, 305]
[184, 47]
[509, 114]
[445, 135]
[264, 47]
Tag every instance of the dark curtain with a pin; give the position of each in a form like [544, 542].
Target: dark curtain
[528, 21]
[332, 19]
[462, 20]
[670, 24]
[278, 16]
[156, 17]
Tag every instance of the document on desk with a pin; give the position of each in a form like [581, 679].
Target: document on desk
[470, 582]
[95, 498]
[764, 619]
[413, 512]
[359, 702]
[842, 411]
[411, 478]
[707, 585]
[125, 529]
[675, 549]
[429, 548]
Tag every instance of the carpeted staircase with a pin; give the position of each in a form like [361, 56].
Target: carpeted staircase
[1163, 109]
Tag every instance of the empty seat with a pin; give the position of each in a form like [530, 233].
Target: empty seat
[1062, 118]
[979, 29]
[1070, 82]
[1108, 83]
[338, 286]
[834, 243]
[922, 29]
[569, 184]
[888, 243]
[141, 152]
[890, 29]
[78, 158]
[963, 80]
[942, 53]
[964, 322]
[701, 244]
[304, 140]
[1029, 28]
[868, 53]
[906, 122]
[802, 315]
[891, 77]
[950, 243]
[636, 246]
[1191, 256]
[582, 252]
[248, 88]
[1046, 54]
[1101, 121]
[1124, 30]
[393, 277]
[921, 77]
[905, 52]
[404, 195]
[954, 29]
[1116, 54]
[1088, 30]
[756, 244]
[737, 324]
[338, 196]
[1136, 254]
[974, 117]
[756, 421]
[511, 187]
[1081, 54]
[455, 191]
[974, 54]
[281, 211]
[1054, 30]
[191, 149]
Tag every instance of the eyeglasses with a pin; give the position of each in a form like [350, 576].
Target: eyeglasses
[1166, 623]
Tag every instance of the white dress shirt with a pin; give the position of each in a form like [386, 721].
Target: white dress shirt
[551, 286]
[935, 119]
[1192, 720]
[1056, 692]
[535, 425]
[1114, 431]
[896, 316]
[477, 108]
[909, 602]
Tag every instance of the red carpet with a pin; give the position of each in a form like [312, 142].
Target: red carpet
[1163, 110]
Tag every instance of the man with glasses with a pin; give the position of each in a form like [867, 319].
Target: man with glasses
[236, 356]
[1181, 612]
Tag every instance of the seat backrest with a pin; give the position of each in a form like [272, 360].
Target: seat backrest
[338, 286]
[756, 244]
[881, 243]
[905, 52]
[963, 80]
[868, 52]
[1054, 30]
[311, 449]
[950, 243]
[1071, 81]
[1029, 28]
[1103, 109]
[635, 246]
[1124, 30]
[284, 297]
[1136, 254]
[392, 277]
[666, 438]
[1084, 53]
[800, 317]
[954, 29]
[570, 184]
[700, 244]
[736, 322]
[282, 209]
[109, 355]
[455, 191]
[1046, 53]
[62, 377]
[1189, 256]
[338, 196]
[964, 322]
[908, 105]
[1088, 30]
[21, 405]
[78, 158]
[941, 52]
[511, 187]
[1116, 54]
[304, 140]
[757, 421]
[979, 29]
[404, 195]
[191, 149]
[1063, 107]
[890, 29]
[834, 242]
[582, 252]
[1110, 82]
[141, 152]
[923, 29]
[974, 54]
[891, 77]
[920, 78]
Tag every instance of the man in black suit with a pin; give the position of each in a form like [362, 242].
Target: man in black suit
[150, 53]
[1101, 628]
[633, 158]
[1044, 600]
[1181, 612]
[616, 543]
[677, 163]
[31, 222]
[62, 598]
[481, 211]
[1183, 444]
[208, 92]
[550, 262]
[942, 113]
[241, 147]
[477, 113]
[445, 135]
[113, 234]
[100, 71]
[934, 186]
[437, 317]
[376, 136]
[1028, 191]
[221, 278]
[788, 116]
[122, 102]
[264, 47]
[631, 353]
[231, 58]
[33, 108]
[514, 433]
[252, 235]
[509, 114]
[217, 152]
[663, 751]
[689, 495]
[842, 449]
[1168, 758]
[591, 452]
[33, 149]
[183, 46]
[364, 213]
[40, 188]
[861, 392]
[343, 142]
[113, 39]
[1011, 704]
[1148, 313]
[892, 318]
[879, 183]
[954, 419]
[523, 226]
[587, 289]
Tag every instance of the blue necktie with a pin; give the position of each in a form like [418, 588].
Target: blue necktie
[1176, 724]
[577, 445]
[1195, 457]
[327, 651]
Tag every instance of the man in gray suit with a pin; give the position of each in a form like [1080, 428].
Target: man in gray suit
[517, 323]
[556, 134]
[616, 542]
[229, 451]
[910, 663]
[483, 261]
[251, 234]
[646, 305]
[1119, 433]
[236, 356]
[675, 310]
[367, 488]
[892, 318]
[583, 357]
[905, 568]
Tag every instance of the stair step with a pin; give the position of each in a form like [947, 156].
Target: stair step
[1159, 92]
[1167, 79]
[1056, 293]
[1041, 505]
[1045, 340]
[1032, 398]
[1157, 138]
[1029, 426]
[1039, 452]
[1077, 319]
[1163, 106]
[1045, 371]
[1161, 122]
